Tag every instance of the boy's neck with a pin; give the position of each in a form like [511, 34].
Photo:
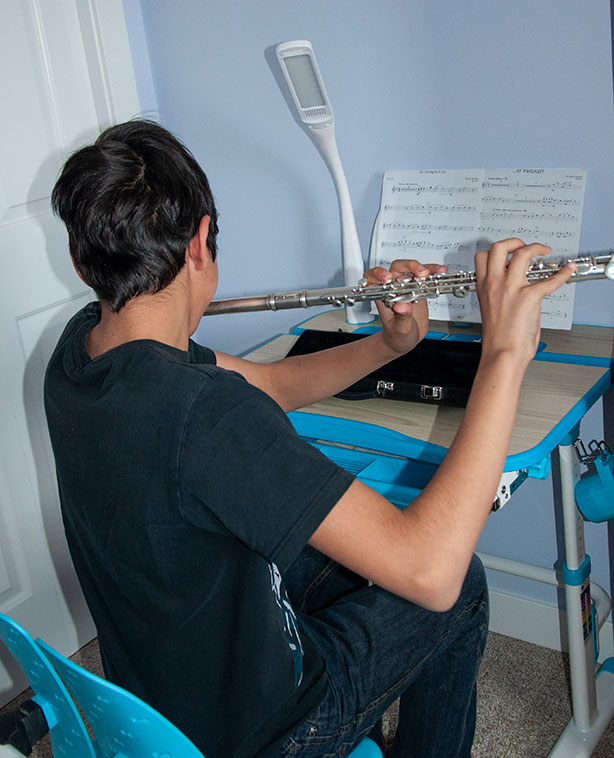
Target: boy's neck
[169, 316]
[154, 317]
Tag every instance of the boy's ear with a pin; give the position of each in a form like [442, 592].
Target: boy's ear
[79, 274]
[197, 249]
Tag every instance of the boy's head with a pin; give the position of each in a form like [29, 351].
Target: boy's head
[131, 203]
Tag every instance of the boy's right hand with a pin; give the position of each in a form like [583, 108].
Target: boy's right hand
[510, 305]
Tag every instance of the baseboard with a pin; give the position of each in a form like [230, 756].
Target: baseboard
[538, 623]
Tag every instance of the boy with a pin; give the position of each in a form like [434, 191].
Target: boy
[256, 594]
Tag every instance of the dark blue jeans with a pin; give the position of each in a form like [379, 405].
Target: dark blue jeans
[378, 648]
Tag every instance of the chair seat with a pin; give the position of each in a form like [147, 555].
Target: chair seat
[366, 749]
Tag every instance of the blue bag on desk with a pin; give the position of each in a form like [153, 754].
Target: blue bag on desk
[435, 371]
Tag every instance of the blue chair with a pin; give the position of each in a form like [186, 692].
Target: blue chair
[366, 749]
[123, 725]
[126, 726]
[69, 737]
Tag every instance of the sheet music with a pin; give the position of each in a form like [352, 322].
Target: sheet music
[445, 216]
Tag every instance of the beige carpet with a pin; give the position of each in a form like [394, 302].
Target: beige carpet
[523, 702]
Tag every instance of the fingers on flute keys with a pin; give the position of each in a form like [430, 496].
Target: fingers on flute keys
[401, 268]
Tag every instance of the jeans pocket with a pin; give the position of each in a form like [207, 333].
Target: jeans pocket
[305, 733]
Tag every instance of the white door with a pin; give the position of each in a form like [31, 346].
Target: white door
[58, 90]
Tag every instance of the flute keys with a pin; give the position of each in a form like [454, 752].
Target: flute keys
[461, 291]
[336, 302]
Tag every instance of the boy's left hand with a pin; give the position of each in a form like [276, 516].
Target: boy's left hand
[405, 324]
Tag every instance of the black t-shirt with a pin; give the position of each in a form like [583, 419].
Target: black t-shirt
[185, 495]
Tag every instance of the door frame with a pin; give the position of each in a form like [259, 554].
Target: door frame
[109, 59]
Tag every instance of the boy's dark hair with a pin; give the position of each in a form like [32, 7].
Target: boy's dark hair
[131, 203]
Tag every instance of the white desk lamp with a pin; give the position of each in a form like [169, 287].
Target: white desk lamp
[300, 70]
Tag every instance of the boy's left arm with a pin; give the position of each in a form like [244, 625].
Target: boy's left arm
[304, 379]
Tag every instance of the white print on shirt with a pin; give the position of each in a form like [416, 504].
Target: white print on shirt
[290, 622]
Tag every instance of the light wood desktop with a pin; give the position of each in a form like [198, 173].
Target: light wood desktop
[550, 392]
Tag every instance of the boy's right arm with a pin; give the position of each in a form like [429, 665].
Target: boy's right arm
[422, 553]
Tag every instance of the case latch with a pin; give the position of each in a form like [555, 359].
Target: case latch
[428, 392]
[383, 387]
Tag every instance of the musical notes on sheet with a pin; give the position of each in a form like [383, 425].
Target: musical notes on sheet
[445, 216]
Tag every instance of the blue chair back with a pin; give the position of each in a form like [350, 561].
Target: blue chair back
[69, 737]
[126, 727]
[123, 725]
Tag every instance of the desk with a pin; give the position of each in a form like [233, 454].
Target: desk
[395, 446]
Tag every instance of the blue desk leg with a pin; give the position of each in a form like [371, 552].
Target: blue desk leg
[592, 696]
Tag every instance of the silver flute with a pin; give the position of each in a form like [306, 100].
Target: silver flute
[408, 288]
